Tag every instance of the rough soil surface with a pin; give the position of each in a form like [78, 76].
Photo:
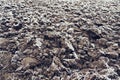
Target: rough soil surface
[60, 40]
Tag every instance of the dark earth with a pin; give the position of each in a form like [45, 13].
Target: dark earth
[60, 40]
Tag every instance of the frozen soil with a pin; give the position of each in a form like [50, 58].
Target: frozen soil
[60, 40]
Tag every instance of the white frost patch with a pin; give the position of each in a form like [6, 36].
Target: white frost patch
[38, 42]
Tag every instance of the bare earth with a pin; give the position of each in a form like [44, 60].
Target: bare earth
[60, 40]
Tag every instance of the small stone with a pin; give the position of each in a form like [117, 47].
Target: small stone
[100, 64]
[51, 28]
[93, 53]
[76, 19]
[28, 72]
[7, 7]
[102, 42]
[56, 78]
[38, 42]
[112, 54]
[92, 45]
[3, 40]
[98, 23]
[52, 67]
[103, 72]
[115, 46]
[15, 58]
[109, 43]
[28, 62]
[34, 78]
[10, 14]
[52, 35]
[17, 26]
[84, 41]
[104, 59]
[71, 63]
[92, 35]
[70, 30]
[27, 51]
